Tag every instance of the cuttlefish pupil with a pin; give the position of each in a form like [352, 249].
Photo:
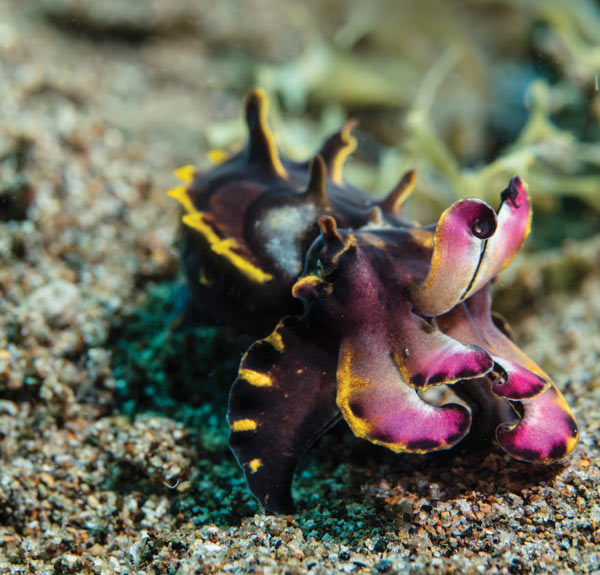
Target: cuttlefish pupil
[482, 229]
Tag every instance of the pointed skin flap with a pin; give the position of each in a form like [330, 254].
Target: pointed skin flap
[317, 182]
[262, 148]
[336, 149]
[394, 201]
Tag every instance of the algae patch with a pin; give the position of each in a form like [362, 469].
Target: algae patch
[184, 377]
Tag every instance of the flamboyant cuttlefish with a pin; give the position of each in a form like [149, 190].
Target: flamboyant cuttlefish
[359, 311]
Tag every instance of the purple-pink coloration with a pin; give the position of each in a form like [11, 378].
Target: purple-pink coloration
[517, 382]
[541, 433]
[384, 409]
[358, 311]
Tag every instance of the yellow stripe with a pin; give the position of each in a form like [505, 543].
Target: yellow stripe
[306, 283]
[217, 156]
[185, 173]
[181, 195]
[350, 245]
[225, 248]
[197, 222]
[337, 163]
[275, 340]
[263, 105]
[243, 425]
[255, 378]
[254, 465]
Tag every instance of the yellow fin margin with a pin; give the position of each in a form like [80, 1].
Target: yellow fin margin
[275, 340]
[217, 156]
[181, 195]
[252, 272]
[225, 247]
[197, 222]
[185, 173]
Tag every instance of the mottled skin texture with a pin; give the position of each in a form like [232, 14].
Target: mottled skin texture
[358, 310]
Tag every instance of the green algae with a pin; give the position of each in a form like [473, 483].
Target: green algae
[159, 369]
[186, 377]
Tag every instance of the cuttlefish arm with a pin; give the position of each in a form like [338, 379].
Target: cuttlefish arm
[282, 400]
[546, 429]
[514, 225]
[380, 406]
[472, 244]
[387, 352]
[458, 244]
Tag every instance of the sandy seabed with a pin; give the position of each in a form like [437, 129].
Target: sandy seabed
[89, 135]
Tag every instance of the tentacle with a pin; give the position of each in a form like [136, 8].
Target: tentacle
[380, 406]
[547, 430]
[516, 376]
[458, 243]
[282, 400]
[425, 356]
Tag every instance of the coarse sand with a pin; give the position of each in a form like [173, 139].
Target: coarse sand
[113, 444]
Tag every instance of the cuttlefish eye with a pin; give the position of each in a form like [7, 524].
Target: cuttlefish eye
[336, 247]
[484, 227]
[331, 252]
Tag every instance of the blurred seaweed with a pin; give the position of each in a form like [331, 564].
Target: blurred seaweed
[469, 93]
